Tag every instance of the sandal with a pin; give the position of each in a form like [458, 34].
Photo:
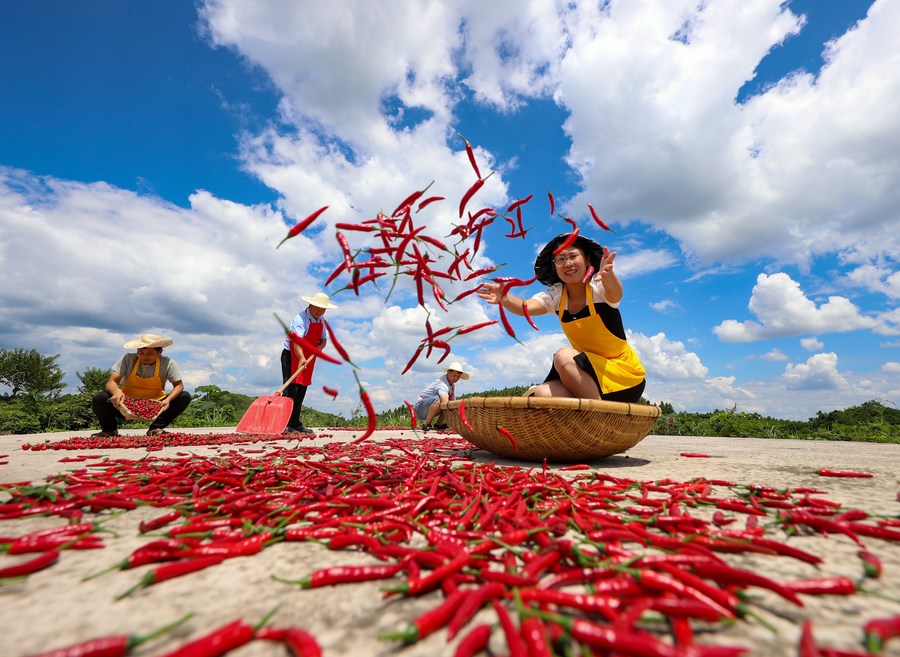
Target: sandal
[105, 434]
[155, 432]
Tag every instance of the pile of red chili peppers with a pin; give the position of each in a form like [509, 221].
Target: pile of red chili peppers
[539, 561]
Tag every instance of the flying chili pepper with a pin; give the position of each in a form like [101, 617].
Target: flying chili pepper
[372, 418]
[598, 220]
[337, 345]
[552, 203]
[330, 391]
[428, 201]
[412, 414]
[471, 154]
[566, 243]
[300, 226]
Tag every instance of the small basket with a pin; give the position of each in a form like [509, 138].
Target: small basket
[131, 417]
[560, 429]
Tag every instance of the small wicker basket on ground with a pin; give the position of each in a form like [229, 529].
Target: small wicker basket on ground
[558, 429]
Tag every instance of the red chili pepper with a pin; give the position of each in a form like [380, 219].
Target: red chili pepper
[589, 272]
[345, 249]
[218, 642]
[807, 646]
[470, 193]
[305, 344]
[330, 391]
[412, 414]
[824, 586]
[33, 565]
[345, 574]
[471, 155]
[843, 473]
[406, 203]
[879, 630]
[598, 220]
[475, 600]
[694, 455]
[528, 316]
[566, 243]
[110, 646]
[536, 637]
[505, 432]
[475, 327]
[412, 360]
[462, 416]
[300, 226]
[473, 642]
[337, 345]
[552, 203]
[871, 563]
[428, 201]
[172, 570]
[429, 622]
[371, 417]
[300, 642]
[514, 641]
[161, 521]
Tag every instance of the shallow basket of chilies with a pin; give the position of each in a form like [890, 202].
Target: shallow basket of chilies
[560, 429]
[139, 410]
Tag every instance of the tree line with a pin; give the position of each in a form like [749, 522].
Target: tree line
[35, 404]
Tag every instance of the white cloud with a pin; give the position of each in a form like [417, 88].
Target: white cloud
[664, 306]
[666, 359]
[892, 367]
[811, 344]
[819, 372]
[775, 355]
[783, 309]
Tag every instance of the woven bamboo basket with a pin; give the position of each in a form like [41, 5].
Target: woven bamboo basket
[558, 429]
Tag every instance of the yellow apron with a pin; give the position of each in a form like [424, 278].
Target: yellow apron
[615, 362]
[138, 387]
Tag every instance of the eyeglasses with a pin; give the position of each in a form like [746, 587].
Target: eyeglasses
[563, 260]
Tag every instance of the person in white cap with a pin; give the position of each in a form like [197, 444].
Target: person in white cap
[428, 406]
[307, 323]
[141, 375]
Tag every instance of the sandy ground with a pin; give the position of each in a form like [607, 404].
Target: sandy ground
[55, 607]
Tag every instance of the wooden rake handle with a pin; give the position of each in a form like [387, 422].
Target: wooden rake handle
[292, 377]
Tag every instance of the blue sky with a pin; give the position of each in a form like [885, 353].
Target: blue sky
[152, 155]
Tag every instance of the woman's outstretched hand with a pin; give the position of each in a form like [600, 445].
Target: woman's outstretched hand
[606, 263]
[490, 292]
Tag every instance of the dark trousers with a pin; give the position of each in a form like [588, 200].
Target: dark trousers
[110, 418]
[294, 392]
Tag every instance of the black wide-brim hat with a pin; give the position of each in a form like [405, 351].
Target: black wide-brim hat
[544, 268]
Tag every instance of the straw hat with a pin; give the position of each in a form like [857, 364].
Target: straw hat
[319, 300]
[148, 340]
[456, 366]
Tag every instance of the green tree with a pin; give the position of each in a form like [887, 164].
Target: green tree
[30, 372]
[93, 380]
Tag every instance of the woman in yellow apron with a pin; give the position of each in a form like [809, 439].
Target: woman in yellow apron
[600, 364]
[142, 375]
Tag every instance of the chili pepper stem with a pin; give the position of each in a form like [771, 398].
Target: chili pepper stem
[137, 640]
[144, 582]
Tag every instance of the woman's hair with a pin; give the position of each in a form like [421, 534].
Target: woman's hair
[545, 269]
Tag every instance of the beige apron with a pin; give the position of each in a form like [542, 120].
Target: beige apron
[615, 362]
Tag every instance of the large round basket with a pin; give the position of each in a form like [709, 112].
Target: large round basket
[554, 428]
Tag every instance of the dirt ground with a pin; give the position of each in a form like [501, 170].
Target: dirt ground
[55, 607]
